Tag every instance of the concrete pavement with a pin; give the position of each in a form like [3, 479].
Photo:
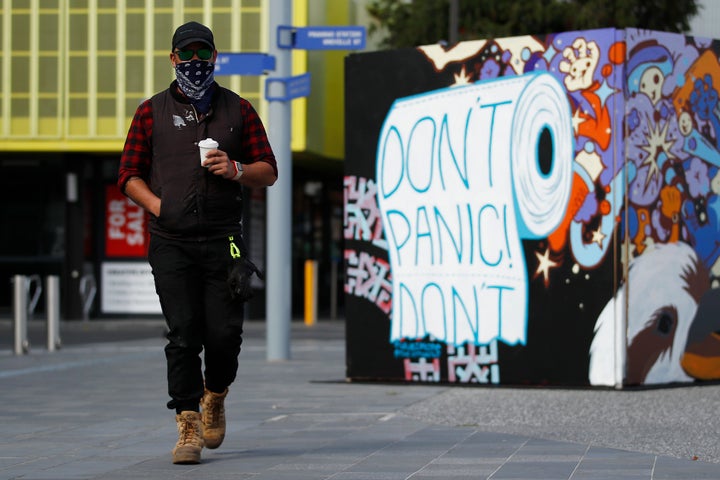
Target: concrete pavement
[95, 409]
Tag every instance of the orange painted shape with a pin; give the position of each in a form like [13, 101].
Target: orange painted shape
[605, 207]
[558, 238]
[706, 64]
[597, 128]
[617, 52]
[643, 221]
[702, 359]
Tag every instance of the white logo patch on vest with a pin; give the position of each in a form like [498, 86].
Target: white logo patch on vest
[178, 121]
[182, 121]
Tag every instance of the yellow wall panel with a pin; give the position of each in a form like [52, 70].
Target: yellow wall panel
[89, 62]
[49, 127]
[338, 14]
[326, 119]
[298, 136]
[77, 126]
[107, 126]
[98, 146]
[20, 126]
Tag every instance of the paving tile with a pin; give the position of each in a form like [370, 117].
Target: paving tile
[70, 415]
[669, 468]
[544, 470]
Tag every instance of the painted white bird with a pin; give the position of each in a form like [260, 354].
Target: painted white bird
[663, 289]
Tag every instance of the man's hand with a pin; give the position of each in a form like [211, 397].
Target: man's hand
[239, 278]
[218, 163]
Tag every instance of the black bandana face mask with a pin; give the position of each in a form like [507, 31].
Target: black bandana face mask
[195, 77]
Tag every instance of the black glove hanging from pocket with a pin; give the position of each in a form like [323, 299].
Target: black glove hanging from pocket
[240, 273]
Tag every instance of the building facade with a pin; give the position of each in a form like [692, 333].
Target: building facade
[69, 85]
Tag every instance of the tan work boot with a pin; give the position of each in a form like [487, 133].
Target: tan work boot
[213, 417]
[190, 438]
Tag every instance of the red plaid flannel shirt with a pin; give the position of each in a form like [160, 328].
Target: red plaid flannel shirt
[137, 157]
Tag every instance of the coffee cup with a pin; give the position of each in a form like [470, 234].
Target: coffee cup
[205, 146]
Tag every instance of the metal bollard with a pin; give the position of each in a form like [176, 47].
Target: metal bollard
[20, 307]
[333, 289]
[34, 289]
[88, 289]
[52, 309]
[310, 292]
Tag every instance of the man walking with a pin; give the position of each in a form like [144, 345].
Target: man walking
[197, 254]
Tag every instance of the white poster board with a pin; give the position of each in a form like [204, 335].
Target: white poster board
[128, 287]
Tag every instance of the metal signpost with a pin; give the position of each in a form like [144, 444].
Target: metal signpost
[244, 64]
[280, 90]
[322, 38]
[278, 293]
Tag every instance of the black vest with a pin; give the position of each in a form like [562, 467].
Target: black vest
[195, 204]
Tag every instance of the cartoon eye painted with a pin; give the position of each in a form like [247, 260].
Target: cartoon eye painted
[665, 320]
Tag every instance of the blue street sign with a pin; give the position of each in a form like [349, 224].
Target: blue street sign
[244, 63]
[321, 38]
[287, 88]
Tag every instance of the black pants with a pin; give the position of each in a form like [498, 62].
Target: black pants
[191, 281]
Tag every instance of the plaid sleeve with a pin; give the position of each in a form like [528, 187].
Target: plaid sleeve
[256, 147]
[137, 152]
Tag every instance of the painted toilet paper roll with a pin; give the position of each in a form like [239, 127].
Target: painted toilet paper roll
[464, 174]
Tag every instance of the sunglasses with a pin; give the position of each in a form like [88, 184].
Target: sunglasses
[202, 54]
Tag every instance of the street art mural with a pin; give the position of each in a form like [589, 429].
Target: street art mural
[535, 210]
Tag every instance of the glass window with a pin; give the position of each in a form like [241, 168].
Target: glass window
[62, 84]
[106, 107]
[164, 73]
[135, 33]
[21, 32]
[20, 74]
[193, 4]
[78, 107]
[134, 77]
[106, 74]
[106, 32]
[49, 32]
[48, 81]
[20, 107]
[37, 219]
[48, 108]
[131, 104]
[250, 29]
[164, 29]
[77, 74]
[78, 32]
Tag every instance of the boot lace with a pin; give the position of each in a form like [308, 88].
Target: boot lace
[214, 411]
[189, 432]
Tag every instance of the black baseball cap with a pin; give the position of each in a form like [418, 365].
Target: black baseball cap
[192, 32]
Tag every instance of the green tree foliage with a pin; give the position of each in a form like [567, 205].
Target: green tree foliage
[408, 23]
